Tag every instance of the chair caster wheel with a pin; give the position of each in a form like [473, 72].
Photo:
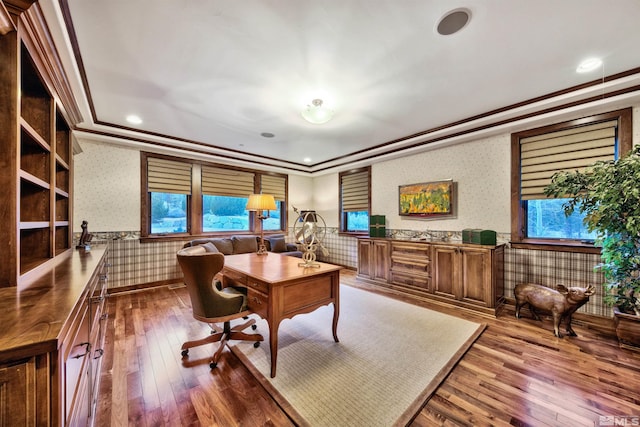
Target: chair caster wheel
[213, 365]
[185, 353]
[256, 344]
[254, 327]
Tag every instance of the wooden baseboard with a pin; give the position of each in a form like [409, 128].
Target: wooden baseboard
[143, 286]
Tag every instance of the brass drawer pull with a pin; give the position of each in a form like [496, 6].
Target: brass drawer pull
[97, 300]
[86, 350]
[257, 300]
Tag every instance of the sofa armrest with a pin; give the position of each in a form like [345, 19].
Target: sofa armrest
[292, 247]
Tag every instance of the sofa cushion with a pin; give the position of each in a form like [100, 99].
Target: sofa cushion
[193, 250]
[210, 247]
[223, 244]
[244, 244]
[277, 243]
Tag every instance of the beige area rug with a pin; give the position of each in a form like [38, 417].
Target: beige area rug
[390, 359]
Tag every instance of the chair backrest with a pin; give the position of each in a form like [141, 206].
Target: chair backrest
[199, 268]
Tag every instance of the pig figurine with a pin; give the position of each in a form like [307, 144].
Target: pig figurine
[561, 303]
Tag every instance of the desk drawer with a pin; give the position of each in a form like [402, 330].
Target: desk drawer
[257, 302]
[234, 278]
[257, 285]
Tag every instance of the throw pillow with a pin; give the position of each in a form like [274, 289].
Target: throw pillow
[210, 247]
[224, 245]
[277, 244]
[244, 244]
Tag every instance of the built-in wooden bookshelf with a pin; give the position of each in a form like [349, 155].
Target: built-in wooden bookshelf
[36, 178]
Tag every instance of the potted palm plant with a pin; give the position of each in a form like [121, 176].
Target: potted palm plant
[608, 194]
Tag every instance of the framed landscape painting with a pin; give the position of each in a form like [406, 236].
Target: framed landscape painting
[429, 200]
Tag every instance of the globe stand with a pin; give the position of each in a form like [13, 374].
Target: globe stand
[309, 256]
[309, 231]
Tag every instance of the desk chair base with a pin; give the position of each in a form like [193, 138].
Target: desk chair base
[223, 335]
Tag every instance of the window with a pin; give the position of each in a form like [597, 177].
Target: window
[185, 197]
[169, 187]
[537, 154]
[224, 197]
[355, 200]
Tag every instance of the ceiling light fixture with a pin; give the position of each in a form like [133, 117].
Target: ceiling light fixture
[316, 113]
[589, 65]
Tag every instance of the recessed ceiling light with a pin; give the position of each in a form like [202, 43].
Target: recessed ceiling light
[589, 65]
[307, 160]
[453, 21]
[133, 119]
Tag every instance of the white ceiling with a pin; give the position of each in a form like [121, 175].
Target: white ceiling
[212, 73]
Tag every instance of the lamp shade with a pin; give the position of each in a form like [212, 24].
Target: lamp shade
[261, 202]
[316, 113]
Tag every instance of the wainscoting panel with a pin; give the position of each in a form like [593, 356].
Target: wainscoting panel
[134, 263]
[556, 268]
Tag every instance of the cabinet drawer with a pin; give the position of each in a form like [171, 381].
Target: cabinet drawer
[76, 359]
[413, 280]
[410, 265]
[234, 278]
[418, 250]
[257, 302]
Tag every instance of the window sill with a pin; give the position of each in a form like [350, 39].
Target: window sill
[554, 245]
[188, 237]
[354, 233]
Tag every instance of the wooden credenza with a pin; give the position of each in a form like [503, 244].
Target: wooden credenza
[465, 275]
[51, 343]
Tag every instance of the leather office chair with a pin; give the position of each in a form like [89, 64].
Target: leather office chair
[211, 305]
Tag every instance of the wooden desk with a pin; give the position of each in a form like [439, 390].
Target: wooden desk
[277, 289]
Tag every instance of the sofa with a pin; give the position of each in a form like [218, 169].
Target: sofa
[242, 244]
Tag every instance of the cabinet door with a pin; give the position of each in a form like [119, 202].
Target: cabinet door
[364, 258]
[445, 279]
[18, 397]
[379, 265]
[476, 276]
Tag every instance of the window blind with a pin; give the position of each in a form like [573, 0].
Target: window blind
[274, 185]
[355, 192]
[569, 150]
[226, 182]
[167, 176]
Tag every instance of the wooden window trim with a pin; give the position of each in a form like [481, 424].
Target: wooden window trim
[194, 202]
[518, 225]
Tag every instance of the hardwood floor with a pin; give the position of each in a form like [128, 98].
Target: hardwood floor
[517, 373]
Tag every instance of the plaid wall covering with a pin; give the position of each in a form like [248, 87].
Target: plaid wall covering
[134, 263]
[556, 268]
